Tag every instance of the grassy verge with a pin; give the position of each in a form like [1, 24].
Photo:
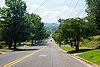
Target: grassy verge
[67, 48]
[11, 50]
[26, 43]
[91, 42]
[92, 56]
[5, 50]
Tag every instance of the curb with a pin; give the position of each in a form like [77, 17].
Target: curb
[94, 65]
[90, 64]
[62, 50]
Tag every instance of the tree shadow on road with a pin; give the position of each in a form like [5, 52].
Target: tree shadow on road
[37, 44]
[24, 49]
[40, 44]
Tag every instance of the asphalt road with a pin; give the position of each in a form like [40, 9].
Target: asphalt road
[48, 56]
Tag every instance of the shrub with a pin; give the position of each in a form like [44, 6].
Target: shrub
[2, 44]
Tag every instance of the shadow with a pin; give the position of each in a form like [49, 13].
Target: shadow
[98, 47]
[37, 44]
[40, 44]
[24, 49]
[79, 51]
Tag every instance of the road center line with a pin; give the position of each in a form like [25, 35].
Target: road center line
[22, 58]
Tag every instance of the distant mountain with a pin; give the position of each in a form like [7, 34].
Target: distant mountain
[51, 26]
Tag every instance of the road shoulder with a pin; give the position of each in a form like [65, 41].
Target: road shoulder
[83, 61]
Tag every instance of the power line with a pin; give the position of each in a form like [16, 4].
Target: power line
[69, 6]
[74, 8]
[81, 11]
[40, 6]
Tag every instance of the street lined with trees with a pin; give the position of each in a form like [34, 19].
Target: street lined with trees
[73, 30]
[17, 25]
[18, 28]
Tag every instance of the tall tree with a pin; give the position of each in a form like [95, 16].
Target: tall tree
[6, 28]
[16, 25]
[75, 29]
[16, 14]
[93, 10]
[38, 27]
[37, 30]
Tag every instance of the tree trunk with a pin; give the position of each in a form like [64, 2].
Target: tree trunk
[77, 46]
[71, 43]
[75, 43]
[15, 44]
[19, 43]
[59, 45]
[32, 41]
[9, 46]
[35, 41]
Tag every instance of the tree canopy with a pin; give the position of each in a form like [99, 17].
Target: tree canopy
[74, 30]
[93, 11]
[17, 25]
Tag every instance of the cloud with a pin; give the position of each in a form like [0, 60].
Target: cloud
[34, 7]
[2, 3]
[52, 10]
[50, 15]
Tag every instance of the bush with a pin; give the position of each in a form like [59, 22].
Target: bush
[91, 38]
[85, 41]
[2, 44]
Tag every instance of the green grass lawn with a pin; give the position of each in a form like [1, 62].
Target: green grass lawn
[11, 50]
[26, 43]
[92, 56]
[5, 50]
[67, 48]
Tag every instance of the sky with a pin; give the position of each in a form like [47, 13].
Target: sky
[52, 10]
